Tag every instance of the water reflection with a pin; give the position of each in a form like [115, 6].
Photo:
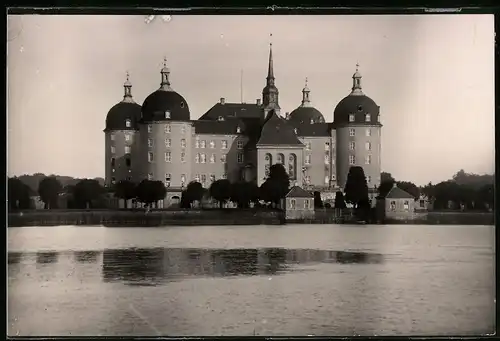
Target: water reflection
[46, 257]
[14, 257]
[154, 266]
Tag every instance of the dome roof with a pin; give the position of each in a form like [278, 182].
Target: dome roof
[120, 113]
[159, 102]
[304, 115]
[359, 105]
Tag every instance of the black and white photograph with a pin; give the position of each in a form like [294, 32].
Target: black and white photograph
[250, 175]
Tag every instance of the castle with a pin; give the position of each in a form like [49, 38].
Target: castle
[240, 141]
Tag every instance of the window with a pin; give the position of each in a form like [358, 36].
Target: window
[183, 179]
[224, 176]
[150, 143]
[224, 144]
[333, 177]
[203, 144]
[239, 144]
[183, 143]
[327, 145]
[150, 176]
[327, 180]
[183, 157]
[150, 128]
[292, 204]
[183, 129]
[422, 203]
[203, 178]
[292, 167]
[368, 179]
[197, 178]
[212, 158]
[113, 170]
[127, 149]
[352, 132]
[295, 130]
[351, 117]
[167, 179]
[113, 162]
[308, 145]
[197, 158]
[182, 104]
[112, 149]
[238, 130]
[212, 144]
[368, 159]
[223, 158]
[368, 132]
[327, 159]
[112, 137]
[267, 157]
[168, 157]
[308, 160]
[168, 128]
[352, 145]
[393, 205]
[197, 142]
[280, 158]
[168, 143]
[240, 157]
[306, 204]
[406, 205]
[127, 137]
[128, 162]
[368, 118]
[360, 108]
[212, 177]
[368, 146]
[203, 158]
[128, 123]
[352, 160]
[167, 114]
[221, 118]
[113, 180]
[150, 157]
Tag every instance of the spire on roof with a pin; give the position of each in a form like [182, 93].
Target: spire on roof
[306, 102]
[356, 82]
[165, 73]
[127, 97]
[270, 69]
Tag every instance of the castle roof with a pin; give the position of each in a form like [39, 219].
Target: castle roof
[298, 192]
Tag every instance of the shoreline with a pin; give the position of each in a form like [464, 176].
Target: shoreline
[215, 216]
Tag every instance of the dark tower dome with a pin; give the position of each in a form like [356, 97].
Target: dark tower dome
[165, 104]
[306, 113]
[126, 114]
[356, 108]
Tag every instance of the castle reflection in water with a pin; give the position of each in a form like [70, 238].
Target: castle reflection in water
[154, 266]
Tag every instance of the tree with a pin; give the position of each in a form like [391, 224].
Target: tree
[220, 190]
[318, 202]
[125, 190]
[149, 192]
[276, 186]
[243, 192]
[385, 187]
[410, 188]
[486, 195]
[185, 203]
[386, 177]
[18, 194]
[356, 188]
[86, 192]
[49, 189]
[194, 192]
[339, 200]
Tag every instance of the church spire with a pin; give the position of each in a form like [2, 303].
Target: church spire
[270, 69]
[356, 82]
[306, 102]
[165, 73]
[270, 92]
[127, 97]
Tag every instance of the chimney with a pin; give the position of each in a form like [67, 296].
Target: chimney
[222, 100]
[259, 101]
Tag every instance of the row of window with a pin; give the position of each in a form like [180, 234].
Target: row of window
[406, 205]
[198, 177]
[168, 128]
[352, 159]
[352, 145]
[199, 158]
[128, 137]
[327, 145]
[368, 132]
[168, 143]
[307, 204]
[203, 144]
[307, 179]
[352, 117]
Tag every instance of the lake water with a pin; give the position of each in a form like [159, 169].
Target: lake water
[251, 280]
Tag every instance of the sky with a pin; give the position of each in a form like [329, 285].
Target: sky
[432, 76]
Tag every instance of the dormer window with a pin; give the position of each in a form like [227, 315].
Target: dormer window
[128, 123]
[238, 130]
[295, 130]
[312, 121]
[368, 118]
[360, 108]
[167, 114]
[182, 104]
[351, 117]
[221, 118]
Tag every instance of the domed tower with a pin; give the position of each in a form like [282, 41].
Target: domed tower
[120, 138]
[165, 136]
[357, 123]
[306, 113]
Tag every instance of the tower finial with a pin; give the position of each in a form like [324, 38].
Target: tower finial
[306, 102]
[270, 70]
[127, 97]
[356, 82]
[165, 72]
[357, 66]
